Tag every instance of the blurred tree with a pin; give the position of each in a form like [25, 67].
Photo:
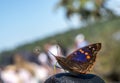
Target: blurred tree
[86, 9]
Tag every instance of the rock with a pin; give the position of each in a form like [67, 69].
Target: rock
[69, 78]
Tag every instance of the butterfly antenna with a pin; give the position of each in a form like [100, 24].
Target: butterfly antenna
[51, 53]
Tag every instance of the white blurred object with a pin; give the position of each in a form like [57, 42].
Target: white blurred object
[55, 50]
[80, 41]
[25, 76]
[42, 57]
[41, 73]
[79, 38]
[9, 76]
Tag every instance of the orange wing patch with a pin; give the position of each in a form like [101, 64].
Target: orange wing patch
[88, 57]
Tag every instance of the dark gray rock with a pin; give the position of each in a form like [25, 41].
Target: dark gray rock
[69, 78]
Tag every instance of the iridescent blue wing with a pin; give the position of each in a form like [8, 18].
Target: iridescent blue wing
[84, 54]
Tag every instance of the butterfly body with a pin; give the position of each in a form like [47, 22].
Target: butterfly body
[81, 60]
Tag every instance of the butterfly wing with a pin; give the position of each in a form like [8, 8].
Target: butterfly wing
[84, 54]
[82, 60]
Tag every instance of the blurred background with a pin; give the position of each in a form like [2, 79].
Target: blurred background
[28, 29]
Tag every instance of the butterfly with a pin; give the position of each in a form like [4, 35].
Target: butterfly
[81, 60]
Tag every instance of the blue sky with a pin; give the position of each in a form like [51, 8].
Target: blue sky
[23, 21]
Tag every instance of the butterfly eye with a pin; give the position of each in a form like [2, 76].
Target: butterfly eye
[88, 57]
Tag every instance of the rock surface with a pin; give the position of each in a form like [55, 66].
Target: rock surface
[68, 78]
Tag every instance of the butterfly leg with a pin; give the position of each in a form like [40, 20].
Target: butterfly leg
[55, 68]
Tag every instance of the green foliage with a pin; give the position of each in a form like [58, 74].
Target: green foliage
[79, 7]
